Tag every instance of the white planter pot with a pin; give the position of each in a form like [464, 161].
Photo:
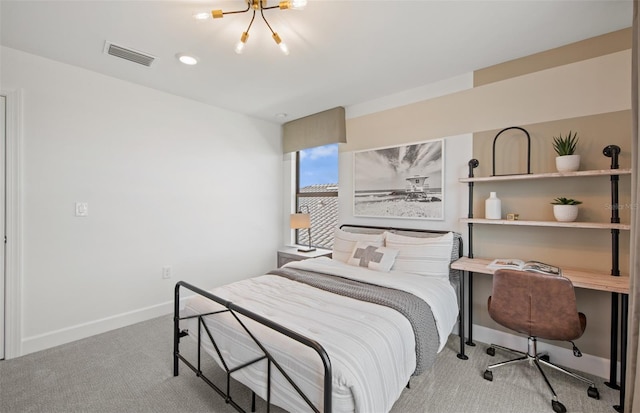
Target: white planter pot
[565, 213]
[568, 163]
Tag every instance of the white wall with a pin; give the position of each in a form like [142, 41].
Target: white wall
[169, 182]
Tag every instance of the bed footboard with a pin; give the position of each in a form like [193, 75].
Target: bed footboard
[234, 310]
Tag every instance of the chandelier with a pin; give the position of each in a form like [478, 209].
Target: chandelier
[261, 6]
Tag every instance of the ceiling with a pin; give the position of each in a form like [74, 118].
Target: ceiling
[343, 52]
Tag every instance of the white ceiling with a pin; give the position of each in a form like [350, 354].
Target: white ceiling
[343, 52]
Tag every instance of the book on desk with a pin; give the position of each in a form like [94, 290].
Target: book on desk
[531, 266]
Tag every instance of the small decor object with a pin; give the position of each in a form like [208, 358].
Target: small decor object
[512, 217]
[493, 207]
[565, 147]
[565, 209]
[528, 149]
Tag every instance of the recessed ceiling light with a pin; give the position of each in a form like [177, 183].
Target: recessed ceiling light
[281, 115]
[187, 59]
[201, 15]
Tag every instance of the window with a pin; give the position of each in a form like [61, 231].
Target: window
[317, 190]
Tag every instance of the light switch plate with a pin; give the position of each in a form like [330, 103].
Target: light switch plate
[82, 209]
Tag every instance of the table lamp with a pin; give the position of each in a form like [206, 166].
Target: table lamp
[302, 220]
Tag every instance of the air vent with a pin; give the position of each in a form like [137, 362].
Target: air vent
[128, 54]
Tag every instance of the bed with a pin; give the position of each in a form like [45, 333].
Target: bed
[340, 334]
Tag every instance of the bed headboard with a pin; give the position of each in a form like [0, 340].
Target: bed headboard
[456, 251]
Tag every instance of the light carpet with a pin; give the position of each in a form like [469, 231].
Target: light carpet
[131, 370]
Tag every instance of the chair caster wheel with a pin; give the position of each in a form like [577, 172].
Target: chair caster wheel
[491, 351]
[488, 375]
[558, 407]
[593, 393]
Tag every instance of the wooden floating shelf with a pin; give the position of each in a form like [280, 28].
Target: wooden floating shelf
[579, 278]
[595, 225]
[517, 177]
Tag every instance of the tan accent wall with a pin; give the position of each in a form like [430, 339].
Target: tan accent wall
[575, 52]
[588, 87]
[584, 87]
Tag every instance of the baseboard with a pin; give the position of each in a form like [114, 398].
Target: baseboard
[84, 330]
[597, 366]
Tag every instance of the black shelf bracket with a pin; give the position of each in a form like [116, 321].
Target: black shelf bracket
[612, 151]
[472, 165]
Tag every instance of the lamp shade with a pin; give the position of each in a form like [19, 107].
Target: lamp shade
[299, 220]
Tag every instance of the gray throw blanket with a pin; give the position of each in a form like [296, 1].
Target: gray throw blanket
[413, 308]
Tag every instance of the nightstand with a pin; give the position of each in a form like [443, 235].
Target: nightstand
[288, 254]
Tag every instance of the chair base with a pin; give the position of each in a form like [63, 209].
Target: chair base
[534, 358]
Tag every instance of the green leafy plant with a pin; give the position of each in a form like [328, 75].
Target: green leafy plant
[565, 145]
[565, 201]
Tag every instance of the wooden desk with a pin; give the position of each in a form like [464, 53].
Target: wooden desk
[617, 286]
[579, 278]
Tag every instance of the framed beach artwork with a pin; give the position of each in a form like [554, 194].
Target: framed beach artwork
[400, 182]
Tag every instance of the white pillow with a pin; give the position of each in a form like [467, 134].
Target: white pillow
[424, 256]
[344, 242]
[372, 257]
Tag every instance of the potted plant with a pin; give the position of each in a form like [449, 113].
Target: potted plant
[565, 147]
[565, 209]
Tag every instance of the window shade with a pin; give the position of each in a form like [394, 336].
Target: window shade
[314, 130]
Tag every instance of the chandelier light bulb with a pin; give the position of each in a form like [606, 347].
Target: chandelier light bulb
[201, 15]
[298, 4]
[279, 42]
[284, 48]
[243, 41]
[292, 4]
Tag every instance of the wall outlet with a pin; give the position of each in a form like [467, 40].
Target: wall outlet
[166, 272]
[82, 209]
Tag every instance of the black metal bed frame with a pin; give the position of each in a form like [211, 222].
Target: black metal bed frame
[235, 310]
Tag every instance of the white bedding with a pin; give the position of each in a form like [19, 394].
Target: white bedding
[371, 347]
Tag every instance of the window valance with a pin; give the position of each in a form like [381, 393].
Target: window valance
[319, 129]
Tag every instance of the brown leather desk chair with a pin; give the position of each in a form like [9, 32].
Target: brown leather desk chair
[540, 306]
